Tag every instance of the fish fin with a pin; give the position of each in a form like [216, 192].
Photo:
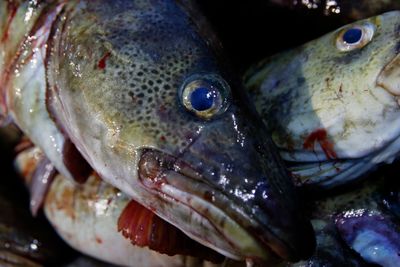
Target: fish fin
[41, 180]
[36, 171]
[145, 229]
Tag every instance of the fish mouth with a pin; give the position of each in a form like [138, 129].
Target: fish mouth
[388, 78]
[205, 213]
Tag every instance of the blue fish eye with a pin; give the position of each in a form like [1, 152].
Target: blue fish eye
[205, 95]
[352, 36]
[355, 37]
[202, 98]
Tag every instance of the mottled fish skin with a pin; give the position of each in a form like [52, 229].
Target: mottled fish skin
[334, 114]
[108, 75]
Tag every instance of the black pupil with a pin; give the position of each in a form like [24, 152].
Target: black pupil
[352, 35]
[202, 98]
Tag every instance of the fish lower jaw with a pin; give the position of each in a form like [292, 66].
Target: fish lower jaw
[236, 243]
[204, 212]
[207, 224]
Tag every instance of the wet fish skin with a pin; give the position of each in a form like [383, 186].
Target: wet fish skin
[326, 106]
[109, 76]
[133, 105]
[86, 216]
[24, 240]
[363, 222]
[330, 251]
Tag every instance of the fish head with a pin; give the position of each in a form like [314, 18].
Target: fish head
[147, 101]
[333, 104]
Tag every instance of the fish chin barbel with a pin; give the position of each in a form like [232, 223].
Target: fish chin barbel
[138, 89]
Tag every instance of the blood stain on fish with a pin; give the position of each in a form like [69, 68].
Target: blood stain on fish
[320, 136]
[102, 62]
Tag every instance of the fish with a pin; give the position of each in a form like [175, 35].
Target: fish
[364, 222]
[332, 104]
[98, 220]
[139, 92]
[24, 240]
[330, 250]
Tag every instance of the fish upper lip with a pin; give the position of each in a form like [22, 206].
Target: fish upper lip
[388, 76]
[177, 168]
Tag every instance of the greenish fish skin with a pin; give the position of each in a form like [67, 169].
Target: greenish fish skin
[109, 76]
[333, 108]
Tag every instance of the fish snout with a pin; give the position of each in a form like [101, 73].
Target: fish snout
[246, 179]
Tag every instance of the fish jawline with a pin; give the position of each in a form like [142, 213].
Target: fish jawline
[162, 182]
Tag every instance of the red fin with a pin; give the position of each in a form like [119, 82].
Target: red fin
[320, 136]
[145, 229]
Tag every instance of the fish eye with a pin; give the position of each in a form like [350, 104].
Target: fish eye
[355, 37]
[205, 95]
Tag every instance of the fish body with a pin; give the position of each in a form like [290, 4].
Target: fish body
[356, 227]
[332, 104]
[86, 216]
[24, 240]
[364, 222]
[25, 30]
[138, 90]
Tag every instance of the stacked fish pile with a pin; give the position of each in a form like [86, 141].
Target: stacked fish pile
[145, 149]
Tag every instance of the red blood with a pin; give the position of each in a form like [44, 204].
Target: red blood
[320, 136]
[12, 10]
[102, 62]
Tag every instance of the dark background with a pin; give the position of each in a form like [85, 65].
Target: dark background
[253, 29]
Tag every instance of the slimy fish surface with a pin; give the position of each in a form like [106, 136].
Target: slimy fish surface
[333, 104]
[138, 91]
